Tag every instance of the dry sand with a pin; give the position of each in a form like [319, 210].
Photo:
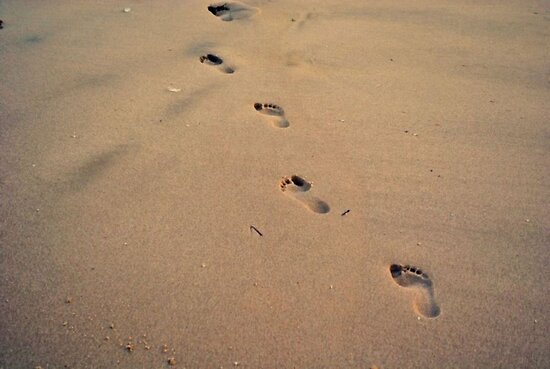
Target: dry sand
[125, 208]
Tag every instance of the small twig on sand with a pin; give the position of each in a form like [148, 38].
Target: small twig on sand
[256, 229]
[345, 212]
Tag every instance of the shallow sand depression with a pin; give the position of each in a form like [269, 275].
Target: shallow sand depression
[289, 184]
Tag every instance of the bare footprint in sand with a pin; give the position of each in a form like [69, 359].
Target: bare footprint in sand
[232, 10]
[275, 111]
[216, 62]
[297, 188]
[412, 277]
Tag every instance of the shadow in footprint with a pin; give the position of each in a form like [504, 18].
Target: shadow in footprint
[274, 111]
[412, 277]
[217, 62]
[297, 188]
[232, 10]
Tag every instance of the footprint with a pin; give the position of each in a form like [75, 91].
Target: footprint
[233, 10]
[298, 188]
[217, 62]
[275, 111]
[412, 277]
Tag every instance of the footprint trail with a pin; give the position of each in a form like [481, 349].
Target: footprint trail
[275, 111]
[298, 188]
[413, 278]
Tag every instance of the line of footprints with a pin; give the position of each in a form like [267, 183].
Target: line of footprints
[298, 188]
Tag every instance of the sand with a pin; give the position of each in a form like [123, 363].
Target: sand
[132, 173]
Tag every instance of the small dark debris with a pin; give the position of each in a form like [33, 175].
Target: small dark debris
[252, 228]
[293, 20]
[391, 59]
[345, 212]
[1, 24]
[258, 106]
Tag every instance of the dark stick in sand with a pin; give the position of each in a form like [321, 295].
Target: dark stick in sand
[256, 229]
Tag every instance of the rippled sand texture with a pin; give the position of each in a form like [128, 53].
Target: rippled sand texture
[274, 184]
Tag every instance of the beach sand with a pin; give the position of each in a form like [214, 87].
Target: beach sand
[151, 215]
